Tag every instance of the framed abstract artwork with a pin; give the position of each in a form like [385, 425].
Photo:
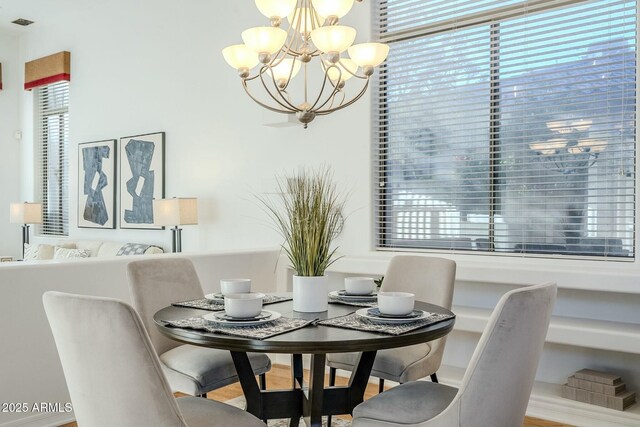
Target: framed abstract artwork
[96, 184]
[141, 160]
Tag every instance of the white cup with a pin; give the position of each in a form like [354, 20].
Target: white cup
[243, 305]
[359, 285]
[396, 303]
[235, 286]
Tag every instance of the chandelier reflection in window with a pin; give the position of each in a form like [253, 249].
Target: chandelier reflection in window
[313, 45]
[571, 149]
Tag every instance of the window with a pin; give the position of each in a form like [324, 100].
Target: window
[52, 161]
[507, 126]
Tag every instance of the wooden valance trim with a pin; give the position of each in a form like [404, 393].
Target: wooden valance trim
[50, 69]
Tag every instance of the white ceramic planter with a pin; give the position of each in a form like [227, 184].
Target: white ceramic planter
[310, 293]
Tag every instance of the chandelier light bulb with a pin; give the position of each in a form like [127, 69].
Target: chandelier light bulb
[334, 38]
[276, 8]
[264, 40]
[369, 54]
[343, 70]
[337, 8]
[283, 72]
[240, 56]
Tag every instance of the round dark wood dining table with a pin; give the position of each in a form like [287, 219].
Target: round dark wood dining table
[309, 400]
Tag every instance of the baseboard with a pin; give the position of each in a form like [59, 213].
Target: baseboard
[42, 420]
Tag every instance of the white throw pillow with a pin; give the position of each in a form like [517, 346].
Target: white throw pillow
[67, 245]
[91, 247]
[38, 251]
[64, 253]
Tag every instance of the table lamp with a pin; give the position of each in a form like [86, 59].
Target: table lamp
[25, 213]
[176, 211]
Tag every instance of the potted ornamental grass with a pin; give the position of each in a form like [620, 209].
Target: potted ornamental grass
[308, 215]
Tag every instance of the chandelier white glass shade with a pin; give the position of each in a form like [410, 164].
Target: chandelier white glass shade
[276, 64]
[571, 148]
[275, 8]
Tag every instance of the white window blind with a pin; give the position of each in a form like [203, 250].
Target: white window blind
[507, 126]
[52, 157]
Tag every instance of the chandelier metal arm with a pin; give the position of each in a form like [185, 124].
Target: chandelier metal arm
[262, 104]
[357, 97]
[289, 105]
[333, 92]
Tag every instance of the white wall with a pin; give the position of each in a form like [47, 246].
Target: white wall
[157, 66]
[10, 148]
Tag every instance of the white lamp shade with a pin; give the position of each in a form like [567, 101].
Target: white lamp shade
[369, 54]
[334, 38]
[240, 56]
[283, 70]
[337, 8]
[176, 211]
[343, 70]
[276, 8]
[25, 213]
[549, 147]
[592, 145]
[267, 40]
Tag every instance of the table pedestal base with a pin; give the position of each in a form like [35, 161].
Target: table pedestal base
[310, 401]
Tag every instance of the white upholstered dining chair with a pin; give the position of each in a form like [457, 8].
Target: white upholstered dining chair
[157, 283]
[496, 387]
[431, 279]
[114, 375]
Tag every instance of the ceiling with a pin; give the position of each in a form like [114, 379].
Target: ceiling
[43, 12]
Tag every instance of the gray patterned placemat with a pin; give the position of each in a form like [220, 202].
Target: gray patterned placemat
[215, 305]
[266, 330]
[334, 300]
[353, 321]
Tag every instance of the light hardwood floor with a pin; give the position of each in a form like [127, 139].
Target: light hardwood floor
[280, 378]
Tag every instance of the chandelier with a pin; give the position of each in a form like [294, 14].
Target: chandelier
[313, 44]
[571, 148]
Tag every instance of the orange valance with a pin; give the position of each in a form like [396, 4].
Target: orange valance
[50, 69]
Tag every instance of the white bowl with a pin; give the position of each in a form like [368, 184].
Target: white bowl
[243, 305]
[359, 285]
[396, 303]
[235, 286]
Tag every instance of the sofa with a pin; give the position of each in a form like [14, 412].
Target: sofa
[87, 249]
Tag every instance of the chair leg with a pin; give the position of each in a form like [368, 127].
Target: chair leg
[380, 385]
[263, 381]
[434, 378]
[332, 376]
[203, 395]
[332, 382]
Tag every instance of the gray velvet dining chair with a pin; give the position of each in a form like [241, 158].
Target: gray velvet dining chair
[497, 384]
[431, 279]
[157, 283]
[113, 373]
